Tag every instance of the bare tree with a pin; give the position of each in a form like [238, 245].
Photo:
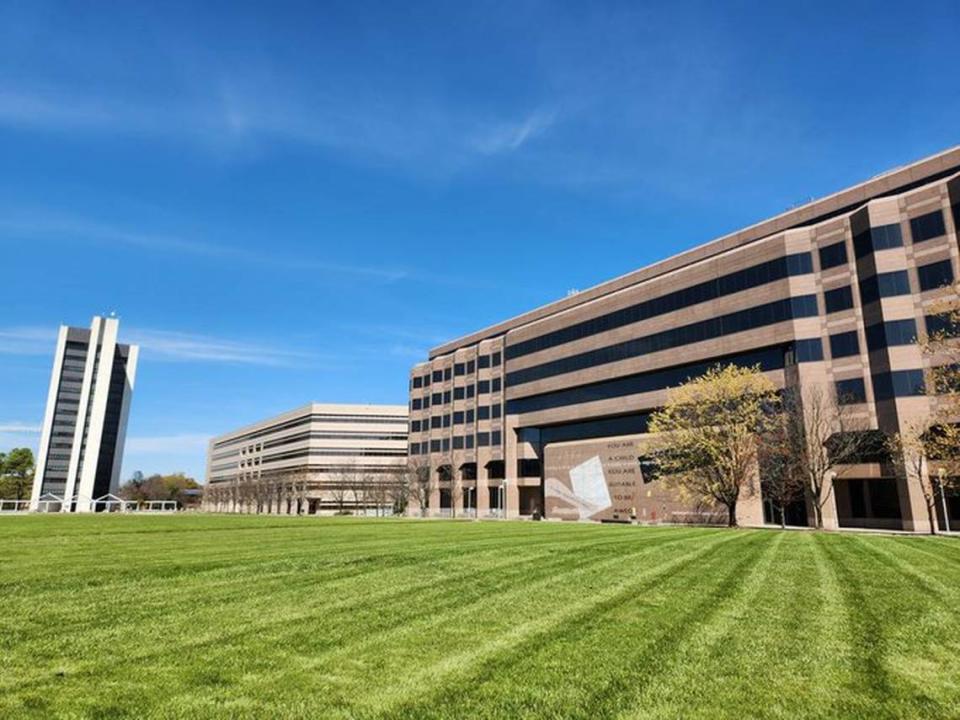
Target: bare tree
[820, 435]
[418, 480]
[909, 451]
[782, 479]
[341, 483]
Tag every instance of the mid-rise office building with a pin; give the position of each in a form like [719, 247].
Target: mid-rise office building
[81, 442]
[317, 459]
[547, 412]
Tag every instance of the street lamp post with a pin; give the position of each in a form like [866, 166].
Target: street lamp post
[941, 476]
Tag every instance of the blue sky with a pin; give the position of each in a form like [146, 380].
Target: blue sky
[287, 202]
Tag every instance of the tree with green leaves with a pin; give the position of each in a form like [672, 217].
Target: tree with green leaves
[709, 432]
[16, 469]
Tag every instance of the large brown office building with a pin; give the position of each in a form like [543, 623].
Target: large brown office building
[547, 412]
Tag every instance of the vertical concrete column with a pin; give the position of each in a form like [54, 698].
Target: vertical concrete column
[434, 509]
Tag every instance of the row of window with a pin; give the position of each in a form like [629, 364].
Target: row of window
[889, 284]
[459, 417]
[459, 442]
[886, 386]
[459, 369]
[483, 387]
[751, 277]
[751, 318]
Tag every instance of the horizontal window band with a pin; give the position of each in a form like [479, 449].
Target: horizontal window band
[740, 321]
[751, 277]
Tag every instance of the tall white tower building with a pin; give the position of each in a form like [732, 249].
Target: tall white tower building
[81, 444]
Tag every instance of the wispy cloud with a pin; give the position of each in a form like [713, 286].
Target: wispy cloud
[167, 444]
[167, 345]
[20, 428]
[509, 137]
[185, 347]
[27, 340]
[50, 226]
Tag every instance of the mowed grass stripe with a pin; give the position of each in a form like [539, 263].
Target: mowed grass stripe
[260, 617]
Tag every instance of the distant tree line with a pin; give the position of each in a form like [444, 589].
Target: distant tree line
[158, 487]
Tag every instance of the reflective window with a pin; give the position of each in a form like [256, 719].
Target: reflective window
[927, 227]
[469, 417]
[844, 344]
[458, 442]
[495, 385]
[418, 382]
[799, 264]
[881, 237]
[483, 361]
[899, 383]
[471, 366]
[851, 392]
[808, 350]
[458, 417]
[759, 316]
[495, 438]
[483, 386]
[838, 299]
[483, 412]
[935, 275]
[888, 284]
[833, 255]
[891, 333]
[458, 393]
[483, 439]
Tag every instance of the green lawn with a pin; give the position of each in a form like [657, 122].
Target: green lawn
[235, 617]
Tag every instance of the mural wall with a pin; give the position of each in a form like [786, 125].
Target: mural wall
[604, 479]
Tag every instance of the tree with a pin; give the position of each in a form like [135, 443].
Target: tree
[17, 468]
[342, 481]
[942, 346]
[418, 480]
[820, 434]
[709, 430]
[782, 480]
[157, 487]
[909, 451]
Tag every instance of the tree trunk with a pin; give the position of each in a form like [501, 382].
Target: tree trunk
[732, 514]
[817, 515]
[932, 514]
[783, 518]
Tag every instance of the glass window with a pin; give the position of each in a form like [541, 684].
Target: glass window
[899, 383]
[851, 392]
[459, 369]
[891, 333]
[435, 422]
[414, 448]
[469, 417]
[458, 442]
[483, 412]
[941, 324]
[437, 375]
[754, 276]
[437, 398]
[446, 397]
[750, 318]
[927, 227]
[483, 386]
[888, 284]
[483, 361]
[471, 367]
[833, 255]
[844, 344]
[495, 410]
[447, 373]
[483, 439]
[935, 275]
[458, 417]
[471, 389]
[838, 299]
[495, 385]
[808, 350]
[497, 358]
[414, 426]
[445, 445]
[418, 382]
[434, 446]
[881, 237]
[458, 393]
[416, 404]
[469, 442]
[495, 438]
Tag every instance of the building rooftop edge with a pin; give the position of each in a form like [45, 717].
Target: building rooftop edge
[810, 212]
[315, 407]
